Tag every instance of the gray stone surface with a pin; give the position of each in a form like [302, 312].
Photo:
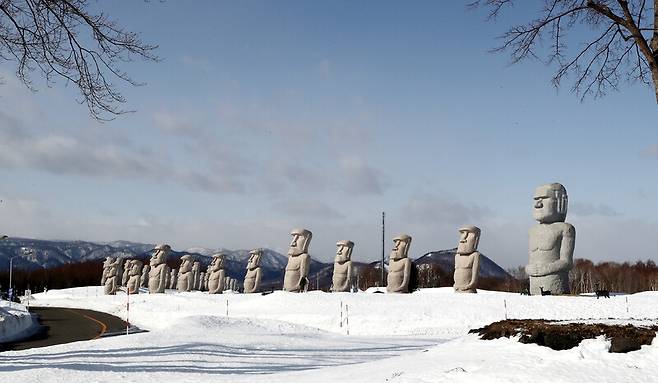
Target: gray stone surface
[185, 275]
[342, 277]
[467, 260]
[299, 261]
[159, 269]
[134, 276]
[216, 275]
[173, 279]
[399, 265]
[110, 286]
[107, 264]
[126, 272]
[253, 276]
[551, 242]
[196, 273]
[145, 276]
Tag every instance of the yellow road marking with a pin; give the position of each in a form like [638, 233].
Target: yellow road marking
[103, 325]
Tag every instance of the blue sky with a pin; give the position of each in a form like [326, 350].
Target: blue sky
[266, 116]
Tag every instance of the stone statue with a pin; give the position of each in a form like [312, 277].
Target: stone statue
[253, 276]
[126, 272]
[159, 269]
[342, 267]
[299, 262]
[216, 275]
[134, 276]
[551, 242]
[205, 282]
[119, 273]
[107, 265]
[202, 281]
[173, 279]
[467, 260]
[234, 284]
[145, 276]
[185, 275]
[196, 268]
[111, 285]
[399, 265]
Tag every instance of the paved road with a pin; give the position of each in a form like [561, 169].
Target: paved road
[63, 325]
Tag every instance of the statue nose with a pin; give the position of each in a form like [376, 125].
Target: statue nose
[539, 205]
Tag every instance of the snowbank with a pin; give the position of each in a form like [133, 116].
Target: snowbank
[15, 322]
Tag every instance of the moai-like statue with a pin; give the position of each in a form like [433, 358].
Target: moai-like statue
[342, 278]
[111, 285]
[216, 275]
[467, 260]
[202, 280]
[227, 283]
[253, 276]
[173, 279]
[159, 269]
[185, 280]
[134, 276]
[120, 271]
[145, 276]
[234, 284]
[126, 272]
[196, 269]
[107, 265]
[551, 242]
[399, 265]
[205, 282]
[299, 262]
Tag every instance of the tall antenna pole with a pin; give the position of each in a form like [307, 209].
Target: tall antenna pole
[383, 245]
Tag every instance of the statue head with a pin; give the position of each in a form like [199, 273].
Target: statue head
[174, 272]
[196, 266]
[217, 262]
[344, 251]
[254, 259]
[301, 238]
[160, 255]
[135, 267]
[550, 203]
[186, 263]
[469, 237]
[401, 245]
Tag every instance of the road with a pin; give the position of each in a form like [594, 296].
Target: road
[63, 325]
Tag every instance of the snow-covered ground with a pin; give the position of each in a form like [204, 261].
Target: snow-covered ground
[421, 337]
[15, 321]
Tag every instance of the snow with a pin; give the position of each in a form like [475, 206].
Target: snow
[420, 337]
[15, 322]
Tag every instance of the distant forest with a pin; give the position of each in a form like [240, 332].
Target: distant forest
[585, 277]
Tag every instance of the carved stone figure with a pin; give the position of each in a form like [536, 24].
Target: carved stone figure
[234, 284]
[342, 276]
[119, 272]
[467, 260]
[159, 269]
[216, 275]
[173, 279]
[134, 276]
[185, 275]
[202, 281]
[299, 262]
[111, 285]
[107, 264]
[196, 269]
[126, 272]
[145, 276]
[399, 265]
[205, 282]
[253, 275]
[551, 242]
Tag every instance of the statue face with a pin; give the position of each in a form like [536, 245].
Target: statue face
[254, 259]
[217, 263]
[469, 237]
[196, 266]
[186, 265]
[400, 247]
[550, 203]
[344, 251]
[301, 238]
[160, 255]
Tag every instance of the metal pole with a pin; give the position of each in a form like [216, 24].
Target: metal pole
[383, 245]
[11, 269]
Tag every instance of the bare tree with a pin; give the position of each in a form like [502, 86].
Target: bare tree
[621, 43]
[63, 39]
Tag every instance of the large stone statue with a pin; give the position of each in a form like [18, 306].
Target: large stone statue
[107, 265]
[119, 272]
[126, 272]
[185, 275]
[111, 285]
[342, 277]
[399, 265]
[196, 269]
[159, 269]
[202, 281]
[134, 276]
[253, 276]
[299, 262]
[216, 275]
[145, 276]
[173, 279]
[551, 242]
[467, 260]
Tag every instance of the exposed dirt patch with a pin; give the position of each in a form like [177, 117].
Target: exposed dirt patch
[563, 335]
